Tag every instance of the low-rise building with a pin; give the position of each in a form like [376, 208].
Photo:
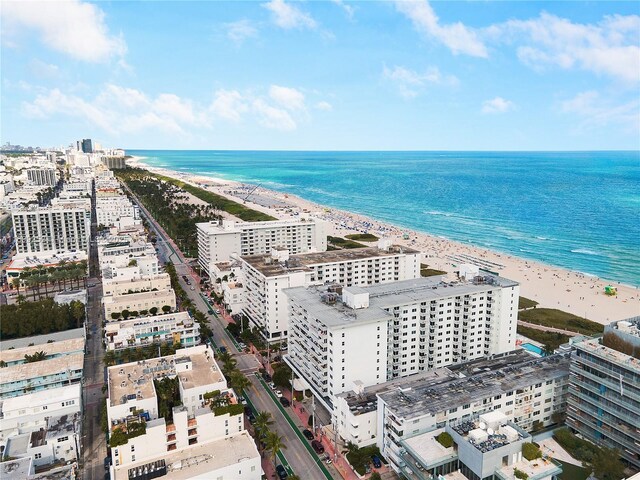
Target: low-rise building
[208, 424]
[266, 276]
[177, 328]
[341, 336]
[604, 392]
[115, 286]
[137, 302]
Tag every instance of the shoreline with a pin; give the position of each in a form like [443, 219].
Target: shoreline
[552, 287]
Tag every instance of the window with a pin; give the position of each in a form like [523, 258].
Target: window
[63, 439]
[37, 456]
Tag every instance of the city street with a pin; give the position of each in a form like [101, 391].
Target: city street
[296, 453]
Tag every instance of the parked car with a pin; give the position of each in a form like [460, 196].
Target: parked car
[107, 463]
[282, 473]
[317, 446]
[376, 461]
[223, 349]
[266, 377]
[307, 434]
[285, 402]
[271, 385]
[278, 393]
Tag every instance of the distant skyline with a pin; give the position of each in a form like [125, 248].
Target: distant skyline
[333, 75]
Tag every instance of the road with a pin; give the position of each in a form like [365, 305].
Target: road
[94, 444]
[302, 462]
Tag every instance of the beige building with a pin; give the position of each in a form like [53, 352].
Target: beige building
[136, 302]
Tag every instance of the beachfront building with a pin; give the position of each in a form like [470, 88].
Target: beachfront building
[531, 392]
[341, 336]
[488, 446]
[218, 240]
[52, 229]
[43, 176]
[208, 424]
[266, 276]
[604, 393]
[41, 401]
[176, 328]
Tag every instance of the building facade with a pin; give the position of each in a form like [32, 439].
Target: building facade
[217, 241]
[266, 276]
[43, 176]
[604, 393]
[341, 337]
[56, 229]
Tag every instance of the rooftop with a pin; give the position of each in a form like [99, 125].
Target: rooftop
[135, 380]
[28, 371]
[42, 339]
[114, 327]
[136, 297]
[322, 303]
[44, 259]
[60, 348]
[481, 379]
[17, 469]
[270, 267]
[228, 226]
[196, 461]
[486, 437]
[594, 347]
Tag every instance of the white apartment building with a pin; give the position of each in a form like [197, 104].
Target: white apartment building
[55, 228]
[529, 391]
[43, 176]
[176, 327]
[44, 425]
[337, 335]
[109, 209]
[196, 428]
[126, 258]
[115, 287]
[217, 241]
[235, 296]
[137, 302]
[266, 276]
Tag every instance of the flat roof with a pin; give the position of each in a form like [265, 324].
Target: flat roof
[594, 347]
[388, 295]
[270, 267]
[24, 371]
[17, 469]
[40, 339]
[136, 378]
[196, 461]
[480, 379]
[427, 448]
[44, 259]
[133, 297]
[43, 397]
[112, 327]
[60, 348]
[236, 226]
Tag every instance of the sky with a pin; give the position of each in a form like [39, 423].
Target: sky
[331, 75]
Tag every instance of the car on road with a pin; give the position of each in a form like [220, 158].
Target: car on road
[282, 473]
[107, 463]
[376, 461]
[285, 402]
[307, 434]
[266, 377]
[278, 393]
[251, 417]
[193, 288]
[317, 446]
[223, 349]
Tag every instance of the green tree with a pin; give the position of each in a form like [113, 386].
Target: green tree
[125, 313]
[274, 443]
[36, 357]
[77, 311]
[166, 309]
[262, 423]
[239, 382]
[547, 349]
[606, 464]
[374, 476]
[153, 310]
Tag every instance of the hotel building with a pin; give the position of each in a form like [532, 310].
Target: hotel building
[55, 228]
[266, 276]
[217, 241]
[148, 441]
[338, 335]
[604, 392]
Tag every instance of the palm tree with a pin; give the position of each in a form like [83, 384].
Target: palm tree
[239, 382]
[274, 443]
[262, 422]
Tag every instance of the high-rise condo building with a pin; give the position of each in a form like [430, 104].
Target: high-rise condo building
[217, 241]
[342, 337]
[604, 393]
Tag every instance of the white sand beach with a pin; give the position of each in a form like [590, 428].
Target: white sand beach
[552, 287]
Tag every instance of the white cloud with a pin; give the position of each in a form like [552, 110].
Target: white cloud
[241, 30]
[410, 82]
[41, 69]
[609, 47]
[348, 9]
[289, 17]
[230, 105]
[72, 27]
[324, 106]
[289, 98]
[273, 117]
[459, 38]
[118, 109]
[596, 111]
[497, 105]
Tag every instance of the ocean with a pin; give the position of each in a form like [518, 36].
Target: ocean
[577, 210]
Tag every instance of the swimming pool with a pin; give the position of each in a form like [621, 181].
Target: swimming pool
[533, 348]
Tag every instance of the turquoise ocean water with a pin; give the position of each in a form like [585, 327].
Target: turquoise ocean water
[577, 210]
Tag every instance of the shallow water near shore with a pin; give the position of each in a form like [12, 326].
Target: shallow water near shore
[576, 210]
